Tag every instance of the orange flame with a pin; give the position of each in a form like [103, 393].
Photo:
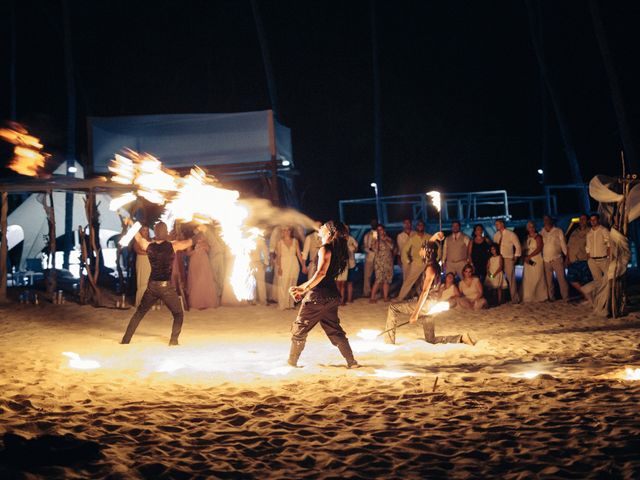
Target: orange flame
[194, 197]
[28, 158]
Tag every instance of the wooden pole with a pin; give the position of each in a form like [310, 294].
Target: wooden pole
[3, 247]
[52, 280]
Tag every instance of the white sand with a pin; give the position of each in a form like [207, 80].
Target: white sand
[225, 405]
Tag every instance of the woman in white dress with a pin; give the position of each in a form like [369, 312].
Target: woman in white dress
[470, 290]
[288, 261]
[534, 285]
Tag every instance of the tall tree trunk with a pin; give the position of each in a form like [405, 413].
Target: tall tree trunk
[616, 94]
[570, 153]
[377, 112]
[52, 277]
[71, 131]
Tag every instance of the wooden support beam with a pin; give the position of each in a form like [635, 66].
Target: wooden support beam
[3, 247]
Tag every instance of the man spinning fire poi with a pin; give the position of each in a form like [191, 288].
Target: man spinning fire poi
[321, 296]
[160, 252]
[418, 309]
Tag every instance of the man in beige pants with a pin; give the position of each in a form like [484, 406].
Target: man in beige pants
[510, 250]
[553, 252]
[598, 249]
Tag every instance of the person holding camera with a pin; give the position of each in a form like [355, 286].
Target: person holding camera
[534, 286]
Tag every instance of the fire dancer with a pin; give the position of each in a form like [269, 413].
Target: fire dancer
[160, 252]
[321, 296]
[417, 309]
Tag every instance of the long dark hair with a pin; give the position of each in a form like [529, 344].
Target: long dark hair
[338, 241]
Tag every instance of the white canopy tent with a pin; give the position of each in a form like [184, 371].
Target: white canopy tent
[31, 218]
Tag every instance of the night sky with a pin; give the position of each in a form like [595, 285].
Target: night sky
[462, 104]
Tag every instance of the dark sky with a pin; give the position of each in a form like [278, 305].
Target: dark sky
[462, 107]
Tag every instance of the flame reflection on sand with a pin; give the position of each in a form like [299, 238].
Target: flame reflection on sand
[75, 361]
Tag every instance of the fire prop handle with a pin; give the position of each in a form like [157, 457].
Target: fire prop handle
[393, 328]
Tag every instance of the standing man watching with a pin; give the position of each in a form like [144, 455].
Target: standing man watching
[510, 250]
[598, 249]
[401, 239]
[553, 253]
[410, 255]
[455, 251]
[370, 254]
[160, 252]
[578, 273]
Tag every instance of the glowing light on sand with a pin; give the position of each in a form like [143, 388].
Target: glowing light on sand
[127, 237]
[529, 374]
[170, 365]
[435, 199]
[194, 197]
[391, 374]
[121, 201]
[28, 158]
[438, 308]
[81, 364]
[632, 373]
[284, 370]
[368, 334]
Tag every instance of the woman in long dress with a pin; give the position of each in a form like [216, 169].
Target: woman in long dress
[478, 252]
[534, 285]
[201, 288]
[288, 261]
[382, 264]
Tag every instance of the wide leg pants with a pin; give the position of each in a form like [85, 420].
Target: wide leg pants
[427, 321]
[324, 312]
[157, 291]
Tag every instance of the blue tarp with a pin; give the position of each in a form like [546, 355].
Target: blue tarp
[191, 139]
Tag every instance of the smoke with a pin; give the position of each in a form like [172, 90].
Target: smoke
[263, 214]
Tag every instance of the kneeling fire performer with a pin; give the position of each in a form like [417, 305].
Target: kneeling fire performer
[160, 252]
[418, 309]
[321, 296]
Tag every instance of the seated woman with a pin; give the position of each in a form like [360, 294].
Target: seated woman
[448, 292]
[471, 290]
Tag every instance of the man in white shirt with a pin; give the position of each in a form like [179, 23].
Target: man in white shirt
[370, 254]
[455, 250]
[401, 240]
[553, 252]
[598, 249]
[510, 250]
[312, 244]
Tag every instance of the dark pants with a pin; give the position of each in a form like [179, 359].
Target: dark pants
[157, 291]
[325, 312]
[427, 321]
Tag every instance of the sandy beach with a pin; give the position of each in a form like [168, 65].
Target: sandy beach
[541, 395]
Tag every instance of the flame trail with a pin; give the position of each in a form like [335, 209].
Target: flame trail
[194, 197]
[28, 157]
